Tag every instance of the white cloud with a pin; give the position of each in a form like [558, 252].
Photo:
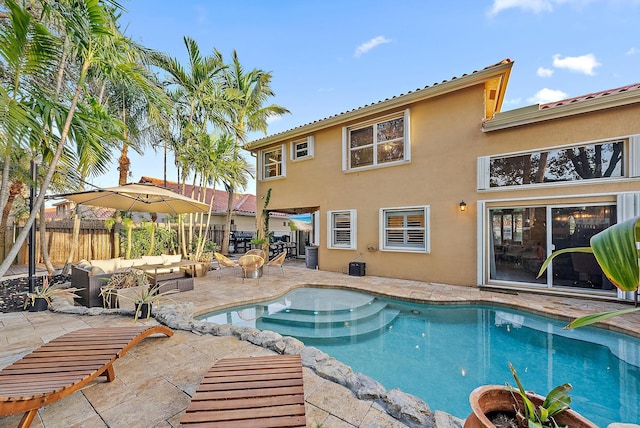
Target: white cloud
[545, 72]
[582, 64]
[535, 6]
[514, 102]
[633, 51]
[547, 95]
[539, 6]
[367, 46]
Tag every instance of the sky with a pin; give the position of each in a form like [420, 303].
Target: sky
[331, 56]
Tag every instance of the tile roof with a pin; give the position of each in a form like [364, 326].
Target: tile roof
[417, 90]
[50, 213]
[633, 87]
[97, 213]
[86, 212]
[245, 203]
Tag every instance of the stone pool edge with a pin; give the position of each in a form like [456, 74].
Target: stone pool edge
[406, 408]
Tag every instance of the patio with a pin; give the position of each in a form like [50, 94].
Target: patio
[156, 379]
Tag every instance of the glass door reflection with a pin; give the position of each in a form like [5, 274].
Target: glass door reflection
[518, 243]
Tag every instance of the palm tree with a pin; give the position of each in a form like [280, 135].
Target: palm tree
[27, 51]
[216, 164]
[196, 94]
[87, 27]
[247, 93]
[141, 104]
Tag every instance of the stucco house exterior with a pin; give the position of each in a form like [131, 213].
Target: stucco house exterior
[387, 183]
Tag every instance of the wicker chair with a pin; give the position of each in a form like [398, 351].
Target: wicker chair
[251, 265]
[277, 261]
[224, 263]
[256, 252]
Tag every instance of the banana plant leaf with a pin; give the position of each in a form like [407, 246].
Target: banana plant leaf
[615, 251]
[601, 316]
[617, 254]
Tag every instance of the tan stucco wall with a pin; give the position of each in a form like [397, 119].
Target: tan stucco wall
[446, 141]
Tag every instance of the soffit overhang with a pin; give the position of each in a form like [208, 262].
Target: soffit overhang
[538, 113]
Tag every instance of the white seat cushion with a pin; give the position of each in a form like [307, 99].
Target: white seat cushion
[108, 266]
[168, 259]
[152, 260]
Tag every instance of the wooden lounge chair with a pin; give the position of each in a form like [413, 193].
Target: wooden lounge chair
[64, 365]
[250, 392]
[277, 261]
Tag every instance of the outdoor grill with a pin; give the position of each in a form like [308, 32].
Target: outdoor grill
[240, 239]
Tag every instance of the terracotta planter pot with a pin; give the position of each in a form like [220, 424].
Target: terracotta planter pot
[496, 398]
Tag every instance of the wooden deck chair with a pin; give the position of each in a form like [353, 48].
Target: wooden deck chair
[277, 261]
[64, 365]
[224, 263]
[250, 392]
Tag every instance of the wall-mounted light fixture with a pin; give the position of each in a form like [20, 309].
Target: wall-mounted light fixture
[462, 206]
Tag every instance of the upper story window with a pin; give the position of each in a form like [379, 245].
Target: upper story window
[586, 162]
[341, 229]
[405, 229]
[272, 163]
[302, 149]
[381, 142]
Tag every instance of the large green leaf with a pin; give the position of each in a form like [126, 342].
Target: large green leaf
[555, 254]
[616, 252]
[557, 400]
[593, 318]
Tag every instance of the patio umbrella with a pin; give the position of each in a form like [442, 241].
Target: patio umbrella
[139, 197]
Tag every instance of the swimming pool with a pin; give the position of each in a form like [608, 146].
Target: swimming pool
[440, 353]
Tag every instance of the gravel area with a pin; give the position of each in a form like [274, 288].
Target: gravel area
[14, 291]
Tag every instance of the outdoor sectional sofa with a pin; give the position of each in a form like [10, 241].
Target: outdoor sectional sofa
[168, 271]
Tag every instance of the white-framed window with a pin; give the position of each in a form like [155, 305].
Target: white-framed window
[272, 163]
[562, 165]
[302, 149]
[341, 229]
[405, 229]
[381, 142]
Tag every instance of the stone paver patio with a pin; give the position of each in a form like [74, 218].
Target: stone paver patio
[155, 380]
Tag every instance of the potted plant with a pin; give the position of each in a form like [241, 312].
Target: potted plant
[118, 281]
[143, 298]
[616, 252]
[258, 243]
[504, 406]
[40, 299]
[204, 264]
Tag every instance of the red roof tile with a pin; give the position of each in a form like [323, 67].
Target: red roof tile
[242, 202]
[50, 213]
[633, 87]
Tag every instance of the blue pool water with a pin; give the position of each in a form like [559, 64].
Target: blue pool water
[440, 353]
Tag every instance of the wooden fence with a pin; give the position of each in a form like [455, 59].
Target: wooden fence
[95, 241]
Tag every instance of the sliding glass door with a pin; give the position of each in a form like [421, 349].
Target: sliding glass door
[573, 227]
[519, 242]
[522, 237]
